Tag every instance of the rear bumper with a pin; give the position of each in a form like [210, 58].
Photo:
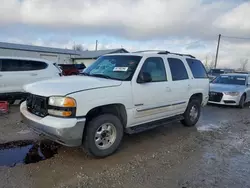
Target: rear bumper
[64, 131]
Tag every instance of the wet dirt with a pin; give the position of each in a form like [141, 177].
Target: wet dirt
[215, 153]
[26, 152]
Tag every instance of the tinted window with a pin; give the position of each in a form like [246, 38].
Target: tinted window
[156, 68]
[118, 67]
[21, 65]
[177, 69]
[197, 68]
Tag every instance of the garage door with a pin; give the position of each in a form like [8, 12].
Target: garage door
[53, 58]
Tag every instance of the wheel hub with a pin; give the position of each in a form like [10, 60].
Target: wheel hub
[105, 136]
[193, 113]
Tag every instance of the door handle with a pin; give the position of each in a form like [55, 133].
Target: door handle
[168, 89]
[1, 75]
[34, 74]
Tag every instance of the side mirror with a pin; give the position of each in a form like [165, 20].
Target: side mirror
[144, 77]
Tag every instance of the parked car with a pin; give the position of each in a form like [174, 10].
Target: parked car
[213, 73]
[118, 93]
[15, 72]
[230, 89]
[71, 69]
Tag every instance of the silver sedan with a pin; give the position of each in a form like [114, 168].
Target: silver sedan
[230, 89]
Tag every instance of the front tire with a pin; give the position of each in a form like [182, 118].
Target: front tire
[192, 113]
[103, 135]
[242, 101]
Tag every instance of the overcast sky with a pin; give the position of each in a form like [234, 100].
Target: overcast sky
[185, 26]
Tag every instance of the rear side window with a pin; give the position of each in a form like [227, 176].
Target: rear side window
[197, 68]
[178, 69]
[10, 65]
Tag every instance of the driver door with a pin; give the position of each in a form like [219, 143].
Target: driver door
[152, 99]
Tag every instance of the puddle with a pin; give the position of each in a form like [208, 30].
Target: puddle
[26, 152]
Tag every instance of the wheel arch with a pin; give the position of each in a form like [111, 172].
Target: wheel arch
[198, 96]
[116, 109]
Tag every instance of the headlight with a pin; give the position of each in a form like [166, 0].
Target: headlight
[232, 93]
[62, 101]
[62, 106]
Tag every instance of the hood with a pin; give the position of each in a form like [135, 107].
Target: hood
[68, 84]
[226, 88]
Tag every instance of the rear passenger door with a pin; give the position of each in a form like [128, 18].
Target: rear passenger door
[179, 85]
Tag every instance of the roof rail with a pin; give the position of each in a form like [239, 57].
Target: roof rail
[164, 52]
[179, 54]
[147, 51]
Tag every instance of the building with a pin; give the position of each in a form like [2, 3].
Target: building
[58, 55]
[88, 57]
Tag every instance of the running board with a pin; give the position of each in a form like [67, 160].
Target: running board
[152, 125]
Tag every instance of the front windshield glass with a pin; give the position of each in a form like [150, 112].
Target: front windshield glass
[118, 67]
[228, 79]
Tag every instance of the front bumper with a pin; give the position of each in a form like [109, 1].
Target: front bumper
[65, 131]
[227, 100]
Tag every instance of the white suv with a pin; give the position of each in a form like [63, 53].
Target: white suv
[118, 93]
[15, 72]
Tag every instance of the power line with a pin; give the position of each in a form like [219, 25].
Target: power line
[232, 37]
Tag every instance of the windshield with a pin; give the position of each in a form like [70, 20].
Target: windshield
[118, 67]
[232, 80]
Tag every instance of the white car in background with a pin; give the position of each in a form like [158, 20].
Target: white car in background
[15, 72]
[230, 89]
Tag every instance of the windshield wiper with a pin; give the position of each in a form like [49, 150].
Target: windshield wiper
[101, 76]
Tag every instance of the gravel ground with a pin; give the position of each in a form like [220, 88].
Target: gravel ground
[215, 153]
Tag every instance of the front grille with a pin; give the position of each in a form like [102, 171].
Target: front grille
[37, 105]
[215, 96]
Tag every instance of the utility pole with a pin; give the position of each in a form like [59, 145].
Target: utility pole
[96, 44]
[217, 51]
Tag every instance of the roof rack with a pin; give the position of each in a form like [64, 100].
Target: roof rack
[176, 54]
[164, 52]
[147, 51]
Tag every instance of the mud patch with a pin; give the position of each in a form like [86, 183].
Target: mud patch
[26, 152]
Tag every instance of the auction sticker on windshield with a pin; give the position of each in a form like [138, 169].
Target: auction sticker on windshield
[123, 69]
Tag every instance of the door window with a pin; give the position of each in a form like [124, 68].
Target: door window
[156, 68]
[177, 69]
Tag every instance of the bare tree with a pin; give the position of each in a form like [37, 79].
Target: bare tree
[78, 47]
[243, 63]
[209, 64]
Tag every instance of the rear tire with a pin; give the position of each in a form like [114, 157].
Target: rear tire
[103, 135]
[242, 101]
[192, 113]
